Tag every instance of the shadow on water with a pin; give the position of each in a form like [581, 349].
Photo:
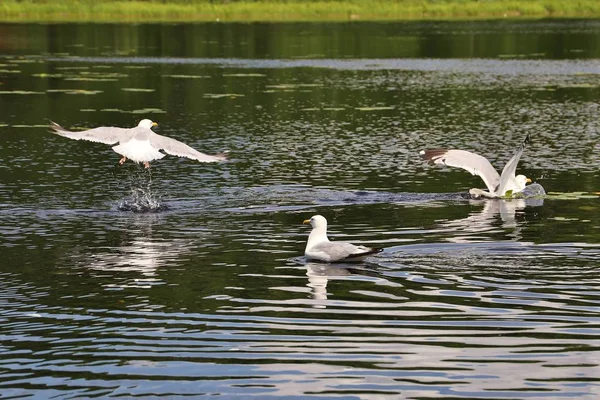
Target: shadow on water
[144, 198]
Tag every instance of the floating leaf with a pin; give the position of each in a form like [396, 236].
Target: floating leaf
[87, 110]
[3, 125]
[219, 95]
[137, 66]
[71, 68]
[578, 86]
[333, 109]
[91, 76]
[572, 195]
[508, 194]
[375, 108]
[74, 91]
[311, 109]
[84, 79]
[244, 75]
[564, 219]
[149, 111]
[137, 90]
[140, 111]
[9, 71]
[23, 61]
[30, 126]
[187, 76]
[43, 75]
[19, 92]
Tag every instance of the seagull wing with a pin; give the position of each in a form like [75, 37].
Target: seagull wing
[177, 148]
[103, 134]
[339, 251]
[474, 163]
[510, 169]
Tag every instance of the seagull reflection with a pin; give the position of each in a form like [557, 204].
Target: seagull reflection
[483, 221]
[319, 275]
[135, 261]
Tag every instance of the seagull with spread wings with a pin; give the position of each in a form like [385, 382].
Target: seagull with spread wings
[499, 185]
[139, 144]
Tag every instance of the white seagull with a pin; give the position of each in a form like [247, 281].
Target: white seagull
[498, 185]
[140, 144]
[319, 248]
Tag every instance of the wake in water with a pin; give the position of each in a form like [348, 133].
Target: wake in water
[142, 199]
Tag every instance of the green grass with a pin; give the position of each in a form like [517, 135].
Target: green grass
[291, 10]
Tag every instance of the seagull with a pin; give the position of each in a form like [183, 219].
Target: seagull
[319, 248]
[498, 186]
[140, 144]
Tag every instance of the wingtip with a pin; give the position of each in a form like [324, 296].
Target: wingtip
[55, 128]
[432, 155]
[223, 156]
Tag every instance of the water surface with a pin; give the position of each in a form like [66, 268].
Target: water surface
[210, 295]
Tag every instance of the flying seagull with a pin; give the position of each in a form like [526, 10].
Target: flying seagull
[498, 185]
[140, 144]
[319, 248]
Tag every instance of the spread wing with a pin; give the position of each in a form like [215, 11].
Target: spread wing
[339, 251]
[510, 169]
[177, 148]
[474, 163]
[103, 134]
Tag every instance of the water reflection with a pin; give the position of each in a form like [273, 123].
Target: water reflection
[319, 275]
[478, 223]
[137, 257]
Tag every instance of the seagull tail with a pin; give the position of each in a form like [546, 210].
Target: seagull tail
[364, 253]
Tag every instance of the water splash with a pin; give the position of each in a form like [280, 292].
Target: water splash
[143, 198]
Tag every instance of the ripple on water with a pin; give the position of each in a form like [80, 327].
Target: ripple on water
[471, 299]
[418, 321]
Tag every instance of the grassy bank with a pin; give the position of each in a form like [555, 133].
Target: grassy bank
[292, 10]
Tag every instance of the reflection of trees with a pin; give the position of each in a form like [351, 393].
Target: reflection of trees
[264, 40]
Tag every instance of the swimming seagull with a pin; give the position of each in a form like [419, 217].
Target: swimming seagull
[319, 248]
[140, 144]
[498, 185]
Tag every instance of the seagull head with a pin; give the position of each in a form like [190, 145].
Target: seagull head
[316, 221]
[146, 123]
[521, 181]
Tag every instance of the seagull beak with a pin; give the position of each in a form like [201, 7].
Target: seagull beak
[306, 221]
[528, 180]
[155, 124]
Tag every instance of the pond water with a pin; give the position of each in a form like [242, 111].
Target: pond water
[210, 294]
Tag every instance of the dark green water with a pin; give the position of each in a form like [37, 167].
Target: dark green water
[211, 295]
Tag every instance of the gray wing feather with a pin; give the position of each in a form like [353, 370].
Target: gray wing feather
[510, 169]
[177, 148]
[474, 163]
[336, 251]
[103, 134]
